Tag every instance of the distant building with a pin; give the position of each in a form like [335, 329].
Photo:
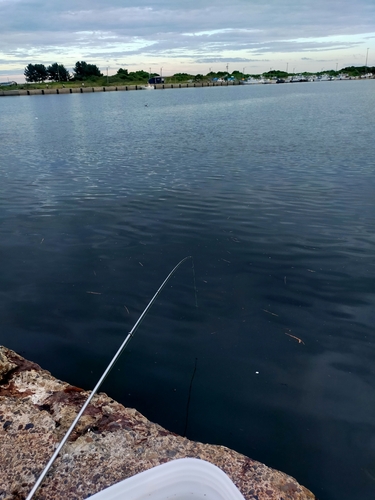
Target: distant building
[7, 84]
[156, 79]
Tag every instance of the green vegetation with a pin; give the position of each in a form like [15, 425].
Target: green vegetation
[56, 75]
[358, 70]
[39, 73]
[133, 77]
[84, 71]
[35, 73]
[181, 77]
[275, 74]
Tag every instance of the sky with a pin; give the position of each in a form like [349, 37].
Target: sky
[180, 36]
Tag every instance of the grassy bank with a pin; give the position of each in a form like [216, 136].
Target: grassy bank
[95, 82]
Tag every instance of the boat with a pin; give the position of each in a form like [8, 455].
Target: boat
[250, 81]
[147, 87]
[7, 84]
[324, 78]
[298, 79]
[182, 479]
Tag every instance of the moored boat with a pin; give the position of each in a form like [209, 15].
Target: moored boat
[250, 81]
[323, 78]
[298, 79]
[147, 87]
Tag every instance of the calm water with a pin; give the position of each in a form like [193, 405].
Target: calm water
[272, 190]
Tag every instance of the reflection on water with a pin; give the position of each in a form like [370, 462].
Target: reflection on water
[271, 190]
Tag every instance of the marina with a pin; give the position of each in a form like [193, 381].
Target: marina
[22, 91]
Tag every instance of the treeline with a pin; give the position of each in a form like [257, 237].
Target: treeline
[358, 70]
[39, 73]
[84, 71]
[58, 73]
[133, 76]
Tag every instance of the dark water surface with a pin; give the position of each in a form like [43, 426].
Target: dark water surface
[272, 190]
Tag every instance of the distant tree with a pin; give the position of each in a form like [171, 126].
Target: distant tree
[35, 73]
[30, 73]
[275, 73]
[134, 76]
[238, 74]
[42, 72]
[58, 73]
[82, 70]
[64, 74]
[123, 74]
[358, 70]
[141, 75]
[182, 77]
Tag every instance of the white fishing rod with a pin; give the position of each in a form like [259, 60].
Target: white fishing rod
[106, 372]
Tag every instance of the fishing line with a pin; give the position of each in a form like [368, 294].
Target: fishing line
[195, 286]
[189, 396]
[106, 372]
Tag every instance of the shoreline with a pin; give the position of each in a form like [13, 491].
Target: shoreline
[110, 88]
[110, 442]
[121, 88]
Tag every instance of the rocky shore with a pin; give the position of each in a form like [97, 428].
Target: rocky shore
[110, 443]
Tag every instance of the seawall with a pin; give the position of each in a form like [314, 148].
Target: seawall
[110, 442]
[118, 88]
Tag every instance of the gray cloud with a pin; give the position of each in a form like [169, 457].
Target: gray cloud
[205, 32]
[146, 18]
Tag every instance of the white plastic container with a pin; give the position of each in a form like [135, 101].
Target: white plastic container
[182, 479]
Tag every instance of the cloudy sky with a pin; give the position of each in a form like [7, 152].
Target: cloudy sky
[187, 36]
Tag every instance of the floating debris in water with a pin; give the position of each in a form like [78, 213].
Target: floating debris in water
[300, 341]
[269, 312]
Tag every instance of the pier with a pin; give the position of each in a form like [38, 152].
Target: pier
[117, 88]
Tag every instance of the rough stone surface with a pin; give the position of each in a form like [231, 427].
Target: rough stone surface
[110, 443]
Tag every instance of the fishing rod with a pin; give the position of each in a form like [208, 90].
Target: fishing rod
[106, 372]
